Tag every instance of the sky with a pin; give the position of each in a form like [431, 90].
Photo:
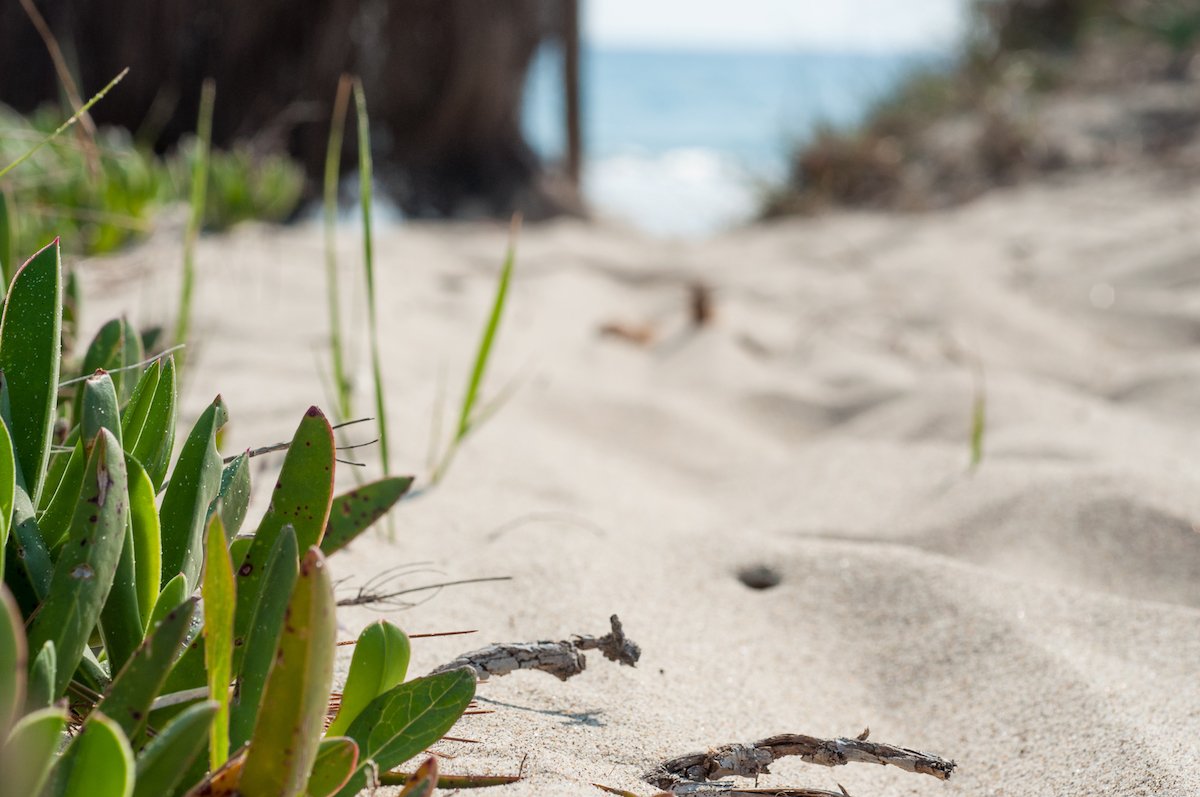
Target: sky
[861, 25]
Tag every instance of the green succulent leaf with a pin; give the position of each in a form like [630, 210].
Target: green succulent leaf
[194, 484]
[27, 546]
[337, 758]
[284, 745]
[166, 759]
[406, 719]
[13, 662]
[301, 499]
[257, 650]
[134, 688]
[380, 662]
[354, 512]
[84, 572]
[147, 541]
[30, 751]
[30, 359]
[173, 594]
[97, 763]
[219, 604]
[60, 507]
[115, 346]
[40, 692]
[233, 497]
[149, 420]
[8, 487]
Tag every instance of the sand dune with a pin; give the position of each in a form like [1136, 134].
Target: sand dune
[1037, 618]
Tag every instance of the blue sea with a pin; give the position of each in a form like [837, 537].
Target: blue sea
[684, 144]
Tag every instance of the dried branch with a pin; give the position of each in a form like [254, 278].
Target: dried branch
[752, 760]
[563, 659]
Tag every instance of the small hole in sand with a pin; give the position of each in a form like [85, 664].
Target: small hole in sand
[759, 577]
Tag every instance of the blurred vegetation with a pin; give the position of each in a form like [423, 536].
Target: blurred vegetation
[103, 194]
[987, 119]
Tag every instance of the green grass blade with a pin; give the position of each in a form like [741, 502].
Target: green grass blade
[286, 734]
[219, 604]
[337, 758]
[8, 249]
[30, 358]
[193, 486]
[262, 637]
[978, 416]
[364, 179]
[75, 118]
[333, 161]
[467, 416]
[163, 762]
[13, 662]
[380, 662]
[84, 572]
[354, 512]
[405, 720]
[208, 95]
[27, 757]
[134, 688]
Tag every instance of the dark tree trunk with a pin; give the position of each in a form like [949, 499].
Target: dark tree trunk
[443, 79]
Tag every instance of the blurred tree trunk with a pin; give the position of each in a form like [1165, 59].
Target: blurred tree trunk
[444, 81]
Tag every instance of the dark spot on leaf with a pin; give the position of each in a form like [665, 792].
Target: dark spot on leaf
[246, 569]
[93, 519]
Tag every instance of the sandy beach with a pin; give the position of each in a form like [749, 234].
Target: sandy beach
[1037, 618]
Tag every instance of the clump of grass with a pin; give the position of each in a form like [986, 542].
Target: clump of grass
[364, 178]
[208, 95]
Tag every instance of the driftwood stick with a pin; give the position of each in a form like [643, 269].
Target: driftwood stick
[752, 760]
[727, 789]
[563, 659]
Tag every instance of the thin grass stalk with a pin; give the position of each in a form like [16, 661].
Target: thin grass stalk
[208, 95]
[364, 178]
[467, 417]
[74, 118]
[333, 158]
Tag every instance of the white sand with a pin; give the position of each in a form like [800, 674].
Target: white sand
[1038, 620]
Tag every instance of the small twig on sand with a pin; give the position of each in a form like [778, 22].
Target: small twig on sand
[561, 659]
[752, 760]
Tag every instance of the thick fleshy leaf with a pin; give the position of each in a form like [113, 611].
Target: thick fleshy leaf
[14, 662]
[380, 662]
[147, 543]
[234, 495]
[133, 415]
[301, 499]
[354, 512]
[194, 484]
[150, 424]
[30, 358]
[30, 752]
[40, 692]
[7, 244]
[8, 487]
[291, 718]
[60, 507]
[97, 763]
[134, 688]
[27, 547]
[337, 758]
[110, 350]
[173, 594]
[219, 603]
[84, 572]
[253, 657]
[423, 781]
[163, 762]
[405, 720]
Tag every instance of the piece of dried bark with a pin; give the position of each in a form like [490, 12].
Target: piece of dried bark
[563, 659]
[752, 760]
